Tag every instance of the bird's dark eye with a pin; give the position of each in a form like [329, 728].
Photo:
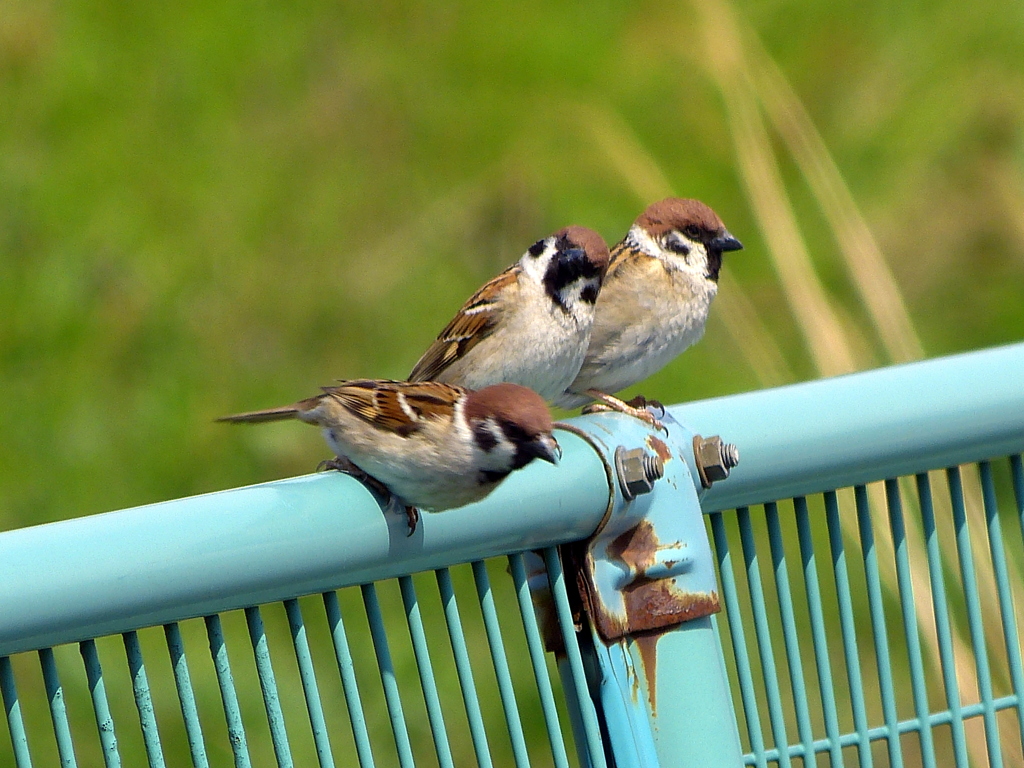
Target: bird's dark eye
[692, 231]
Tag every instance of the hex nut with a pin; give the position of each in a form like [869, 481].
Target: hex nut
[714, 458]
[637, 471]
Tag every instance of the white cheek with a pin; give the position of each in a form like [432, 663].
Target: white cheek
[695, 261]
[698, 258]
[643, 240]
[534, 267]
[582, 310]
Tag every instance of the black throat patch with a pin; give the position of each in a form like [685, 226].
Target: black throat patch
[568, 267]
[714, 263]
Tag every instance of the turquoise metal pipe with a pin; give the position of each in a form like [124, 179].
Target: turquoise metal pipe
[149, 565]
[834, 433]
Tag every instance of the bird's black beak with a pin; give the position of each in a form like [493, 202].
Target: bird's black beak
[547, 448]
[726, 242]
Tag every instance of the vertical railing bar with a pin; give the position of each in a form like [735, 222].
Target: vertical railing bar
[1017, 475]
[818, 635]
[347, 672]
[789, 633]
[16, 726]
[186, 696]
[942, 626]
[763, 634]
[501, 670]
[228, 696]
[435, 714]
[573, 709]
[310, 689]
[904, 581]
[581, 691]
[386, 666]
[58, 710]
[1009, 620]
[100, 706]
[538, 660]
[268, 686]
[876, 607]
[975, 621]
[143, 700]
[739, 642]
[460, 653]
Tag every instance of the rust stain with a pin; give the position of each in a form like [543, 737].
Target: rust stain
[636, 547]
[649, 604]
[656, 604]
[647, 645]
[659, 447]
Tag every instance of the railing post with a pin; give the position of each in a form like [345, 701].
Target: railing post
[647, 584]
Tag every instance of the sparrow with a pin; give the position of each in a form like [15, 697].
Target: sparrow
[530, 325]
[425, 445]
[661, 280]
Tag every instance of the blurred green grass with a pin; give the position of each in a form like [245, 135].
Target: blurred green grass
[211, 207]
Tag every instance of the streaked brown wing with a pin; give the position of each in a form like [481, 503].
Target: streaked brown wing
[431, 399]
[473, 323]
[381, 402]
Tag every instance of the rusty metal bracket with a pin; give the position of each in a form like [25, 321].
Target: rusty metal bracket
[646, 589]
[649, 566]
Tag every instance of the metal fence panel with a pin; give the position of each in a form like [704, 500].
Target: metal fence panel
[868, 553]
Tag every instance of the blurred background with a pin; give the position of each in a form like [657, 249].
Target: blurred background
[208, 207]
[213, 207]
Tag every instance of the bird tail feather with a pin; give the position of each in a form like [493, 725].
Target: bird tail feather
[269, 414]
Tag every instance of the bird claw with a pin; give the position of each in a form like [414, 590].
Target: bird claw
[413, 516]
[635, 408]
[643, 402]
[649, 418]
[340, 464]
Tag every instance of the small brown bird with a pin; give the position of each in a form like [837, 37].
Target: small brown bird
[429, 445]
[655, 300]
[530, 325]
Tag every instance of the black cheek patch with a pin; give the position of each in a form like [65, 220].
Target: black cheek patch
[589, 294]
[484, 438]
[677, 246]
[536, 249]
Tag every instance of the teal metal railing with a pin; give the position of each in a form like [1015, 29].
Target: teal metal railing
[869, 584]
[253, 551]
[903, 647]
